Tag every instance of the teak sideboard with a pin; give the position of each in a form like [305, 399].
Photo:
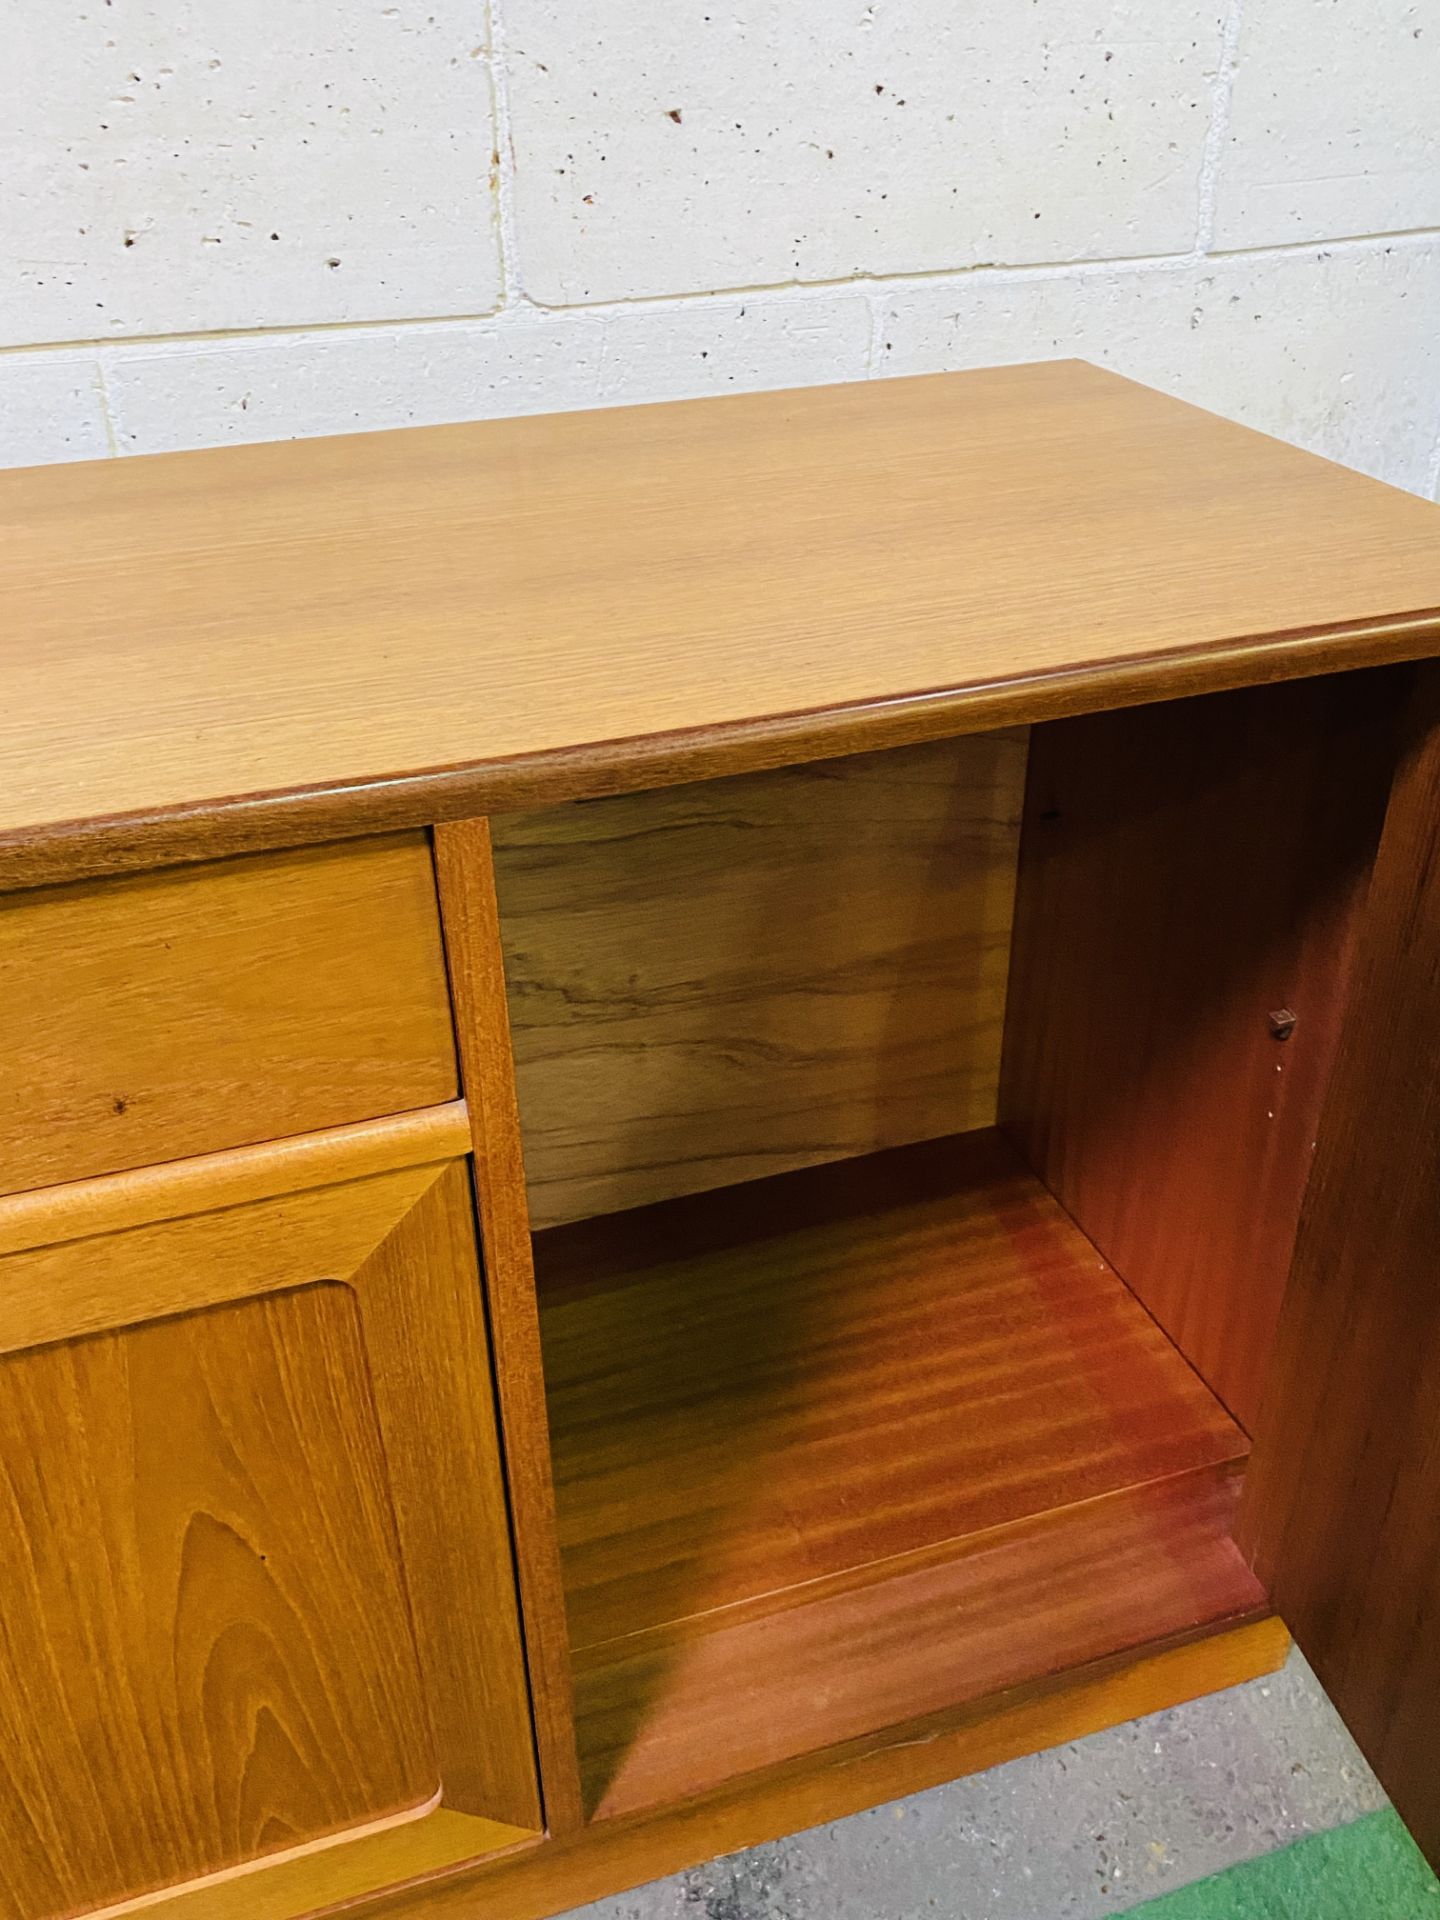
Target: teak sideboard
[707, 1112]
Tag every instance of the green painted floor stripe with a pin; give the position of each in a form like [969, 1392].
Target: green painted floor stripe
[1371, 1870]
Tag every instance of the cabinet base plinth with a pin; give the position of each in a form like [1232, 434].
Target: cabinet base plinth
[612, 1855]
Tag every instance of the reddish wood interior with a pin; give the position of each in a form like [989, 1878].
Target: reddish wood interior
[890, 1400]
[1189, 871]
[975, 1409]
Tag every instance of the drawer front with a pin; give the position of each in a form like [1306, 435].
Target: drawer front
[175, 1013]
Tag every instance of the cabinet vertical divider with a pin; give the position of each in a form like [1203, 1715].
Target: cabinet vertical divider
[465, 876]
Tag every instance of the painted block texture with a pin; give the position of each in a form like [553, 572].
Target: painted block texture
[672, 146]
[1334, 126]
[207, 393]
[171, 166]
[51, 408]
[224, 221]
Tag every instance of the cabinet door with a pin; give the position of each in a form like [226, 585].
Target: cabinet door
[1342, 1512]
[260, 1643]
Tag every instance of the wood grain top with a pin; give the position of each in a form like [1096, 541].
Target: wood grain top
[543, 607]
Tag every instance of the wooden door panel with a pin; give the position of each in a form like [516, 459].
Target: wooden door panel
[171, 1266]
[258, 1596]
[430, 1373]
[205, 1619]
[1342, 1510]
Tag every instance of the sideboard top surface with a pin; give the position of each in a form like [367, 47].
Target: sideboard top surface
[284, 640]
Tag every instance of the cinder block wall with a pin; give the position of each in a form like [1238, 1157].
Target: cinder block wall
[225, 221]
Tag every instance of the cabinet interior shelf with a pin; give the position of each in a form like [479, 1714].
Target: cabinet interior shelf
[896, 1406]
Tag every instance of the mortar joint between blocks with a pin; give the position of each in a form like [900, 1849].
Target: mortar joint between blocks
[107, 410]
[1432, 477]
[878, 287]
[874, 344]
[1222, 93]
[511, 293]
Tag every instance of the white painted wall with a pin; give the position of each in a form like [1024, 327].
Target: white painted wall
[246, 219]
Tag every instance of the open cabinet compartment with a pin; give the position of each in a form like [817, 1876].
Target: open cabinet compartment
[915, 1145]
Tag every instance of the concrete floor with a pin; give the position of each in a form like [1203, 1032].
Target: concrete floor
[1076, 1834]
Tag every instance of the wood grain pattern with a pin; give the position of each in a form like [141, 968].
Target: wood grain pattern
[326, 1875]
[421, 1310]
[613, 586]
[1344, 1513]
[744, 976]
[676, 1714]
[1187, 870]
[465, 872]
[206, 1653]
[336, 811]
[619, 1853]
[782, 1385]
[182, 1012]
[266, 1590]
[211, 1182]
[203, 1259]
